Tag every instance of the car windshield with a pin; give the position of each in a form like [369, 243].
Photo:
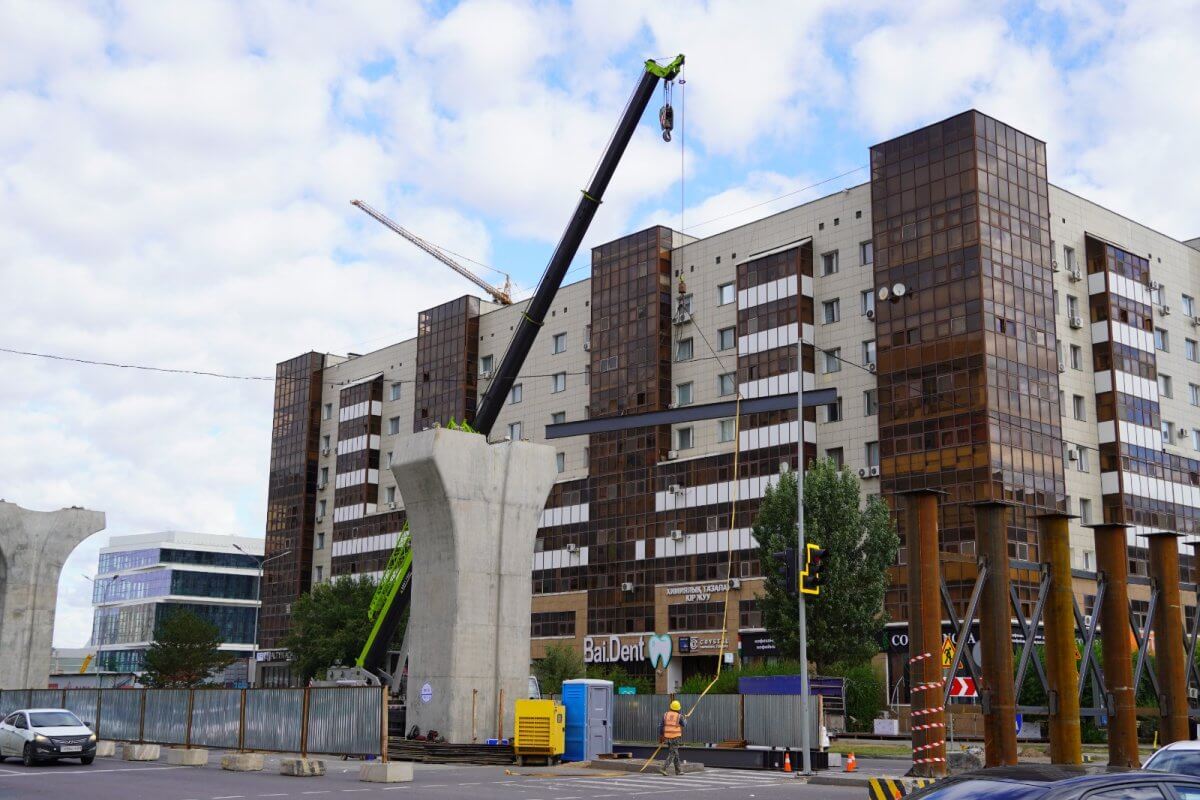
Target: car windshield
[53, 719]
[968, 789]
[1185, 762]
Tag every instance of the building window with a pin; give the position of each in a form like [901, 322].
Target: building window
[829, 263]
[1083, 459]
[324, 477]
[833, 411]
[393, 425]
[871, 453]
[560, 461]
[1194, 394]
[866, 252]
[514, 431]
[1191, 349]
[1076, 357]
[1085, 515]
[1072, 306]
[726, 384]
[1168, 432]
[870, 403]
[866, 302]
[868, 352]
[516, 394]
[395, 390]
[836, 455]
[683, 349]
[327, 411]
[558, 382]
[683, 394]
[1189, 305]
[833, 360]
[320, 573]
[726, 294]
[325, 442]
[1164, 385]
[1196, 438]
[831, 311]
[725, 430]
[726, 339]
[320, 543]
[485, 365]
[387, 460]
[1162, 340]
[321, 506]
[558, 418]
[1078, 407]
[749, 614]
[1069, 258]
[560, 343]
[390, 494]
[684, 303]
[683, 439]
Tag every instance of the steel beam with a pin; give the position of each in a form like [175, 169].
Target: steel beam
[925, 635]
[1112, 561]
[1066, 744]
[962, 630]
[1168, 638]
[995, 637]
[1029, 633]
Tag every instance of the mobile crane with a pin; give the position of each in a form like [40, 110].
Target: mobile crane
[393, 594]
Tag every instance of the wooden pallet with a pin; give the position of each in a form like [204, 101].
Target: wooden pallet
[446, 753]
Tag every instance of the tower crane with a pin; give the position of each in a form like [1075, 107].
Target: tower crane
[501, 296]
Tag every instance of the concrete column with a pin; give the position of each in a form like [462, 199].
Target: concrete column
[1116, 643]
[925, 635]
[473, 510]
[1170, 660]
[995, 639]
[1062, 666]
[33, 547]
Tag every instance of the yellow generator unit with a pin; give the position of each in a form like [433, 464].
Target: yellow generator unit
[540, 731]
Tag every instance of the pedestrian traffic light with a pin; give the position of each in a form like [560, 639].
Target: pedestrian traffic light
[785, 567]
[811, 578]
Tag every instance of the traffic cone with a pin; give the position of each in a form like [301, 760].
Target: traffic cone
[787, 761]
[851, 763]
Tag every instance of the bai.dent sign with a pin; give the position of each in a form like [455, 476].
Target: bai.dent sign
[656, 648]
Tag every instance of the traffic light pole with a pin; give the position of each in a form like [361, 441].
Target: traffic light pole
[805, 703]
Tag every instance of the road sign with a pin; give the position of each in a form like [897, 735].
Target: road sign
[963, 687]
[947, 652]
[626, 690]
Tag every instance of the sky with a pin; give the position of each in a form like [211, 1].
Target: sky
[176, 178]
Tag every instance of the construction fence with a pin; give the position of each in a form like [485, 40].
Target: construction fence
[767, 720]
[338, 720]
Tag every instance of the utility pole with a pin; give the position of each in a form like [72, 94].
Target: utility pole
[262, 562]
[100, 644]
[805, 704]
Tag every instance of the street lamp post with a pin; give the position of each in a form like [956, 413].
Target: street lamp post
[262, 562]
[100, 644]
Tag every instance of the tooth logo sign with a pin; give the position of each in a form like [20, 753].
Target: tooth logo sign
[659, 648]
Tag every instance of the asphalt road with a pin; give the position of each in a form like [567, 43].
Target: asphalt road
[112, 779]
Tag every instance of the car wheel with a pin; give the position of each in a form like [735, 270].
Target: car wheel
[86, 760]
[27, 756]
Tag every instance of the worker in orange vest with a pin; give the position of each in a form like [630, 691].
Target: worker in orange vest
[670, 733]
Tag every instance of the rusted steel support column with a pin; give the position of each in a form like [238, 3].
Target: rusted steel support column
[1116, 643]
[1168, 638]
[1062, 667]
[925, 636]
[995, 638]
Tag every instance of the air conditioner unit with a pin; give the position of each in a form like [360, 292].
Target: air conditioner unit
[870, 313]
[321, 484]
[681, 318]
[1196, 321]
[672, 405]
[1076, 322]
[1062, 367]
[485, 374]
[873, 472]
[677, 535]
[1054, 265]
[672, 455]
[1074, 275]
[1072, 455]
[392, 504]
[587, 346]
[320, 517]
[872, 366]
[862, 473]
[572, 547]
[735, 583]
[675, 488]
[1164, 310]
[1193, 693]
[1155, 286]
[627, 586]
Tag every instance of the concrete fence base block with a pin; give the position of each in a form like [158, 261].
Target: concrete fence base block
[139, 752]
[301, 767]
[386, 772]
[190, 757]
[106, 749]
[242, 762]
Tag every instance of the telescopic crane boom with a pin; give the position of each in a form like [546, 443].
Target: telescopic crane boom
[502, 296]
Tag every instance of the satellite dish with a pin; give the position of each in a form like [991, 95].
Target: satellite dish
[898, 290]
[883, 293]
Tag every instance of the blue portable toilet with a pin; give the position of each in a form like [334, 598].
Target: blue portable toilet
[589, 705]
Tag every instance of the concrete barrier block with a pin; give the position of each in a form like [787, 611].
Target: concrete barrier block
[139, 752]
[106, 749]
[301, 767]
[386, 772]
[188, 757]
[242, 762]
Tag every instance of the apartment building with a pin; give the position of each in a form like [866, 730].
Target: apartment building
[144, 578]
[967, 326]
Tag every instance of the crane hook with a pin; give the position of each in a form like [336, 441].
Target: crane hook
[666, 114]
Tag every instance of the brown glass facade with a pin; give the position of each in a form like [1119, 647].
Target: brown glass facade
[967, 375]
[291, 492]
[447, 372]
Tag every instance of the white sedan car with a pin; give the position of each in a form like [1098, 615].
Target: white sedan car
[46, 734]
[1179, 757]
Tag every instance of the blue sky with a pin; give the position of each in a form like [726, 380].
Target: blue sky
[176, 178]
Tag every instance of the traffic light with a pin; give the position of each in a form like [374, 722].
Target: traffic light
[785, 567]
[811, 578]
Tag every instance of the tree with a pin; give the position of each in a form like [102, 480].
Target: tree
[845, 621]
[561, 663]
[185, 652]
[330, 625]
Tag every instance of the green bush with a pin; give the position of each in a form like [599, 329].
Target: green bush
[619, 677]
[561, 662]
[864, 694]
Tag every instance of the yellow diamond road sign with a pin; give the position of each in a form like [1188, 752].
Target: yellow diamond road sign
[947, 652]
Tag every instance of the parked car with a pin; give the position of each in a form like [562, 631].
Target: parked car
[1181, 757]
[1051, 782]
[46, 734]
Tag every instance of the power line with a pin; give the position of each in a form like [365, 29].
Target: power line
[141, 367]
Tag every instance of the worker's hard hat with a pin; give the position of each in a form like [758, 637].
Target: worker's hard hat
[675, 705]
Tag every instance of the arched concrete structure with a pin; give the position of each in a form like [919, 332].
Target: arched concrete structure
[33, 547]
